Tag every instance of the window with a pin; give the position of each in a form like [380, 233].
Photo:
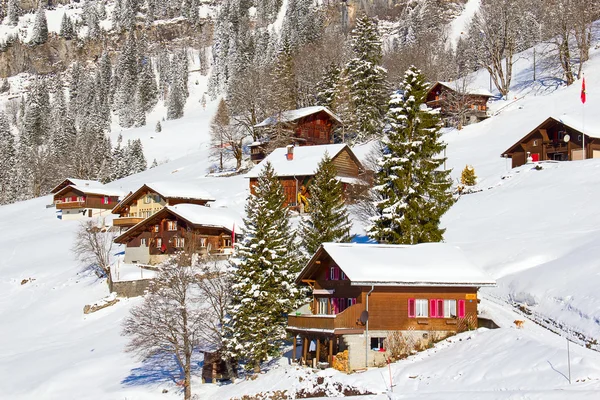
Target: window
[158, 243]
[147, 199]
[202, 242]
[449, 308]
[143, 242]
[106, 200]
[378, 343]
[421, 308]
[322, 306]
[227, 242]
[179, 242]
[334, 274]
[349, 302]
[342, 275]
[171, 225]
[156, 228]
[535, 142]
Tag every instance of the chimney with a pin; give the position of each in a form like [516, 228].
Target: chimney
[290, 152]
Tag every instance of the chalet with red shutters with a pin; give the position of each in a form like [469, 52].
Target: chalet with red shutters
[372, 291]
[153, 197]
[195, 228]
[296, 166]
[449, 97]
[307, 126]
[74, 199]
[558, 139]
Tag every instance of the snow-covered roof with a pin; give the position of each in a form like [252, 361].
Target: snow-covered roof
[426, 264]
[218, 217]
[293, 115]
[475, 91]
[76, 182]
[304, 163]
[589, 127]
[180, 190]
[99, 190]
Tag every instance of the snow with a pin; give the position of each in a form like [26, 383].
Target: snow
[475, 91]
[77, 182]
[304, 163]
[208, 216]
[426, 264]
[293, 115]
[460, 24]
[99, 190]
[180, 190]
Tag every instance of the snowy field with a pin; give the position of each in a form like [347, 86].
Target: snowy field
[536, 232]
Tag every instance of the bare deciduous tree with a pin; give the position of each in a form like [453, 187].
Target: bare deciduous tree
[93, 246]
[227, 137]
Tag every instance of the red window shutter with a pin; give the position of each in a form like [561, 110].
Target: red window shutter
[73, 198]
[461, 309]
[334, 305]
[432, 308]
[440, 308]
[411, 308]
[353, 301]
[336, 273]
[535, 157]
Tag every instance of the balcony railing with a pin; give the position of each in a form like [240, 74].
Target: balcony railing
[347, 319]
[69, 205]
[127, 221]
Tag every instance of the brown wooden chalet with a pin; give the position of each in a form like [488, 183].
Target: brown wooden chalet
[558, 139]
[296, 166]
[448, 97]
[307, 126]
[360, 288]
[152, 241]
[85, 201]
[153, 197]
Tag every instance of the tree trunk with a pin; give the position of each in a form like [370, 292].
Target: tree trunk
[187, 384]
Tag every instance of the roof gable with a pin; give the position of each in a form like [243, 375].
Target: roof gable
[100, 191]
[75, 182]
[294, 115]
[305, 161]
[426, 264]
[167, 190]
[473, 91]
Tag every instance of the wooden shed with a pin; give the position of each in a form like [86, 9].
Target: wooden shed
[424, 288]
[556, 138]
[452, 100]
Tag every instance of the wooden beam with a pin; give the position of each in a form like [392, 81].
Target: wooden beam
[318, 349]
[309, 282]
[305, 349]
[330, 358]
[294, 349]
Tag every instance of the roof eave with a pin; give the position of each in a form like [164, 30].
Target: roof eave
[424, 284]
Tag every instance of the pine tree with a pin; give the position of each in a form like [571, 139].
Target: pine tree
[468, 177]
[135, 157]
[147, 85]
[327, 85]
[414, 193]
[5, 86]
[13, 12]
[158, 127]
[40, 27]
[328, 219]
[284, 90]
[366, 81]
[175, 102]
[264, 268]
[67, 31]
[7, 161]
[154, 164]
[139, 117]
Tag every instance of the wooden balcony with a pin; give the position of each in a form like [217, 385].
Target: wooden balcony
[127, 221]
[69, 205]
[348, 321]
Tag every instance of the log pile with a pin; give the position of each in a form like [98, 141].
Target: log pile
[340, 361]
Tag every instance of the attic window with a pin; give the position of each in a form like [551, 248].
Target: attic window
[535, 142]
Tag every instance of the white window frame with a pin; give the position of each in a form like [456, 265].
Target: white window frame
[322, 305]
[179, 242]
[156, 228]
[450, 310]
[158, 243]
[171, 226]
[147, 199]
[421, 308]
[143, 242]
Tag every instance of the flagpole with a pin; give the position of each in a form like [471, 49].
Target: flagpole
[583, 98]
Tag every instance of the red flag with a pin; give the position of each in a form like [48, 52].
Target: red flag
[233, 235]
[583, 91]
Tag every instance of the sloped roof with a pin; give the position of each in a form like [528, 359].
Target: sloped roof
[475, 91]
[305, 162]
[172, 190]
[426, 264]
[293, 115]
[76, 182]
[99, 190]
[194, 214]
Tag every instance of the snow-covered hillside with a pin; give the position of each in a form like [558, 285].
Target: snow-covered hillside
[536, 232]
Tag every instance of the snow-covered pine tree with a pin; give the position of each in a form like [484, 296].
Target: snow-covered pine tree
[328, 219]
[158, 127]
[4, 86]
[147, 84]
[135, 157]
[154, 164]
[7, 161]
[104, 78]
[139, 116]
[264, 267]
[327, 85]
[284, 90]
[67, 31]
[175, 102]
[118, 166]
[128, 14]
[414, 192]
[40, 27]
[13, 12]
[366, 82]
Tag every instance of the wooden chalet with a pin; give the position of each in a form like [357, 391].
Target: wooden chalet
[369, 290]
[74, 201]
[296, 166]
[75, 182]
[307, 126]
[448, 96]
[153, 197]
[558, 139]
[152, 241]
